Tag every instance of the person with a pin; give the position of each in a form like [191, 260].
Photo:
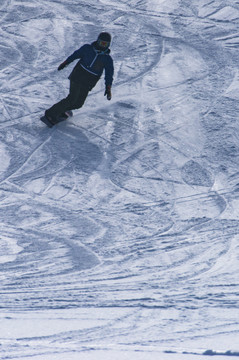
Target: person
[93, 58]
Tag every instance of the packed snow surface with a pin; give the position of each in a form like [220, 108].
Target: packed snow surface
[120, 227]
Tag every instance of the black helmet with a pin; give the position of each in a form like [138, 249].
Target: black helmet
[104, 40]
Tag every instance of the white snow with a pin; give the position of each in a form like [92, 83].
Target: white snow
[119, 228]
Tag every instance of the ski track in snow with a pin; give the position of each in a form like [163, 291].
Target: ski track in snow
[119, 228]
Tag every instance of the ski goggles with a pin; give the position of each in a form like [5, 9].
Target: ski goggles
[103, 44]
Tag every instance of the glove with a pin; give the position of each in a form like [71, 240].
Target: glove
[108, 92]
[64, 64]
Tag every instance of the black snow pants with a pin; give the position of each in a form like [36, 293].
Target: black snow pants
[78, 93]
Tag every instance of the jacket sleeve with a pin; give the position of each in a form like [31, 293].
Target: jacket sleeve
[109, 71]
[76, 55]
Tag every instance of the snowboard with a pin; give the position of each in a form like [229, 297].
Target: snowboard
[60, 118]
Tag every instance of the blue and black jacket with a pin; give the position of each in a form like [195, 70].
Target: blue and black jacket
[91, 65]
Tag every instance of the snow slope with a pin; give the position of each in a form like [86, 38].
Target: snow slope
[120, 227]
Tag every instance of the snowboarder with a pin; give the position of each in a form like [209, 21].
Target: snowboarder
[93, 58]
